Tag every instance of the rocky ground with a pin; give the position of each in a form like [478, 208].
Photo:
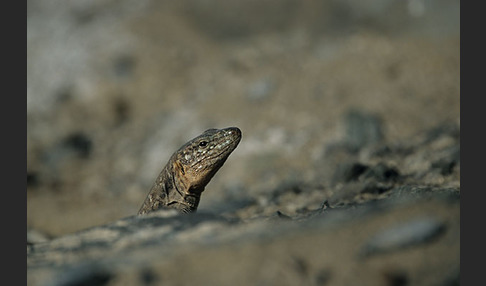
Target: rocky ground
[348, 172]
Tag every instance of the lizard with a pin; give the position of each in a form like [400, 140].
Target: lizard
[185, 176]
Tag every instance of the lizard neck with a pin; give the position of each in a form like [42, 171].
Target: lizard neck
[181, 194]
[171, 190]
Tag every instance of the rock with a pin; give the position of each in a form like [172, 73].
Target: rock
[85, 274]
[413, 192]
[151, 249]
[36, 236]
[362, 129]
[403, 235]
[445, 165]
[382, 173]
[80, 143]
[350, 193]
[347, 172]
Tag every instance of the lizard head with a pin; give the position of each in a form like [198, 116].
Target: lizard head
[198, 160]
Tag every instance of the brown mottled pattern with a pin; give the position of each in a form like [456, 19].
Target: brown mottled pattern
[190, 169]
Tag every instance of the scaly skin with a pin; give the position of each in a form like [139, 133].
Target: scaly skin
[190, 169]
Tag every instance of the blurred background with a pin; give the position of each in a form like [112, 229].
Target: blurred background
[115, 87]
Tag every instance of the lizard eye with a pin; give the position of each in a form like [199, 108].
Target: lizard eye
[203, 143]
